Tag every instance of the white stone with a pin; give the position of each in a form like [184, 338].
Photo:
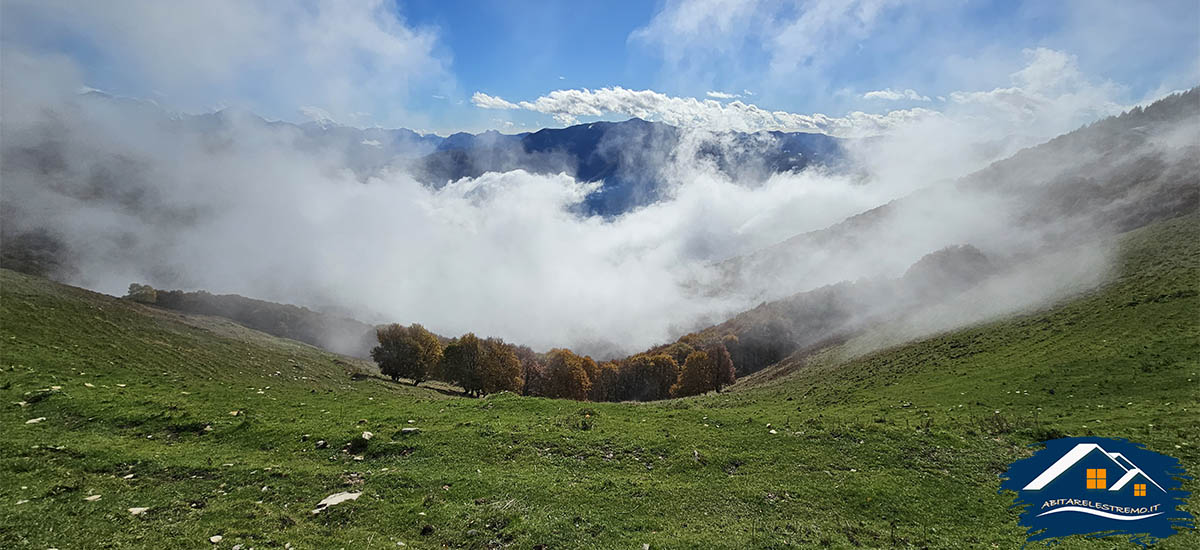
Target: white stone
[336, 498]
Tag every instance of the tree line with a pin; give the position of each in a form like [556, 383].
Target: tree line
[489, 365]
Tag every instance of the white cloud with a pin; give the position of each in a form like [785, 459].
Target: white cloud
[371, 143]
[317, 114]
[344, 56]
[475, 255]
[566, 106]
[1050, 95]
[730, 36]
[485, 101]
[416, 254]
[722, 95]
[894, 95]
[821, 28]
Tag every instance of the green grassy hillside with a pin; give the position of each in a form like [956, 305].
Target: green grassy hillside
[895, 448]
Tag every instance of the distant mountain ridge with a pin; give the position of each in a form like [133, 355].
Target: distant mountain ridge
[628, 156]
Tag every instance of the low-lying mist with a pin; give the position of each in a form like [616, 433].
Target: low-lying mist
[239, 208]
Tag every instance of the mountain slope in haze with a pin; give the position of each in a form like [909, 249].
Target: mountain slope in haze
[334, 333]
[1111, 176]
[219, 430]
[770, 332]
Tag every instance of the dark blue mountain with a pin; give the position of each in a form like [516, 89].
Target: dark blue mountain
[629, 157]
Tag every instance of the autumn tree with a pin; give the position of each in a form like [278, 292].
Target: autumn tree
[662, 372]
[678, 351]
[568, 375]
[407, 352]
[722, 365]
[532, 371]
[460, 363]
[698, 375]
[499, 367]
[606, 383]
[647, 377]
[482, 366]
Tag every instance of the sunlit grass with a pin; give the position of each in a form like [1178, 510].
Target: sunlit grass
[900, 448]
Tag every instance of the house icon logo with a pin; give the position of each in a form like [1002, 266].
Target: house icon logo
[1098, 487]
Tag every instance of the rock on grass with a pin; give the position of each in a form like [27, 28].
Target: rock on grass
[336, 498]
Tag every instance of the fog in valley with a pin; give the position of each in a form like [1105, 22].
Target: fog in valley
[131, 190]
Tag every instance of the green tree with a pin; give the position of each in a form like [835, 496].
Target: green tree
[142, 293]
[407, 352]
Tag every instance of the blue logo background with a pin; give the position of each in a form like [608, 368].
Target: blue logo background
[1098, 487]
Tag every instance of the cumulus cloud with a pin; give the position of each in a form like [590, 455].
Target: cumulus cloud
[275, 57]
[566, 106]
[894, 95]
[1049, 95]
[484, 101]
[722, 95]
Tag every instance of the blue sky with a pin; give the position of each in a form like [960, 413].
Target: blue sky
[419, 63]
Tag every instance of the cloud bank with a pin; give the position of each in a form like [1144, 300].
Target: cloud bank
[1047, 96]
[239, 208]
[341, 57]
[566, 106]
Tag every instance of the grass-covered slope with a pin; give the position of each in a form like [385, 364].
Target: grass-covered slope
[896, 448]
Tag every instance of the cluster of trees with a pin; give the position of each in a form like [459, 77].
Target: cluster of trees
[479, 365]
[490, 365]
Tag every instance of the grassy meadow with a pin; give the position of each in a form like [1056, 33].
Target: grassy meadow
[218, 430]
